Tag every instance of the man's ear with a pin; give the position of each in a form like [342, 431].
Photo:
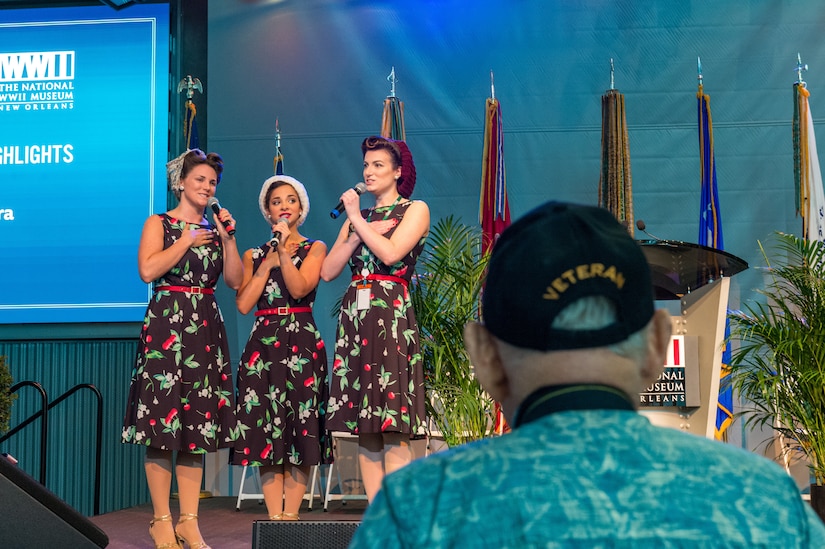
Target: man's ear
[486, 361]
[657, 344]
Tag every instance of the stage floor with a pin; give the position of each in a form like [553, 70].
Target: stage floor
[221, 525]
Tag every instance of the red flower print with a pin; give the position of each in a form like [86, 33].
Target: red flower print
[396, 303]
[309, 381]
[168, 343]
[221, 403]
[192, 446]
[253, 359]
[337, 364]
[171, 415]
[265, 451]
[387, 423]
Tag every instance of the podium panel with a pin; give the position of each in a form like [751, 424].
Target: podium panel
[699, 277]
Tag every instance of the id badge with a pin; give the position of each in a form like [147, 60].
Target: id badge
[362, 296]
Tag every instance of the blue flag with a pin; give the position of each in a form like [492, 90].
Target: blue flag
[710, 234]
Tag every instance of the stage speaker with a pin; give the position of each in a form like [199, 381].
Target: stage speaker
[302, 534]
[32, 516]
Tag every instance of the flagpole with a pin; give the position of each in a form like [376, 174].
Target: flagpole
[799, 68]
[392, 80]
[190, 85]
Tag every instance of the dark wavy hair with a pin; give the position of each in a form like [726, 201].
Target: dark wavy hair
[196, 157]
[400, 155]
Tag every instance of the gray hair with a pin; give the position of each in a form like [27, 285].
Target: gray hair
[594, 312]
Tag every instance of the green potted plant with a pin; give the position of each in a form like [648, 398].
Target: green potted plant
[445, 294]
[779, 366]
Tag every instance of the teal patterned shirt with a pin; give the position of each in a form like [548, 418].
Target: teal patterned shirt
[591, 478]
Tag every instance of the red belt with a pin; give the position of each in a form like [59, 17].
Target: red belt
[186, 289]
[283, 311]
[391, 278]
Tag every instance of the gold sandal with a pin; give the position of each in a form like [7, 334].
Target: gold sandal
[170, 545]
[185, 517]
[279, 516]
[290, 516]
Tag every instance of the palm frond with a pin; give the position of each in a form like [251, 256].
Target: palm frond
[445, 294]
[779, 365]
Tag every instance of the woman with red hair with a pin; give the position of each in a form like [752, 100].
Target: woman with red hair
[377, 383]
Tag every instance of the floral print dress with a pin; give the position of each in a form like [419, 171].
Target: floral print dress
[181, 395]
[282, 379]
[377, 382]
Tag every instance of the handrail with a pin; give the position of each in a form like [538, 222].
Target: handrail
[44, 411]
[45, 407]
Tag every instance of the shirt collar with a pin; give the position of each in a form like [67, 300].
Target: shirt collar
[557, 398]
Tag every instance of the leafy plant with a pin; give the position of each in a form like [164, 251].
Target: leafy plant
[779, 367]
[445, 294]
[6, 398]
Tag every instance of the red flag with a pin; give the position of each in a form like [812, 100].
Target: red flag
[494, 208]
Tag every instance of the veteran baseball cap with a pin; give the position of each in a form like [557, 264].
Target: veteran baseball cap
[554, 255]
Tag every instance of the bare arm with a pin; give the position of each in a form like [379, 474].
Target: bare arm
[414, 225]
[253, 283]
[232, 265]
[153, 260]
[300, 282]
[339, 255]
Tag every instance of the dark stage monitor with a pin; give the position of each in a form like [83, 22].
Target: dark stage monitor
[84, 109]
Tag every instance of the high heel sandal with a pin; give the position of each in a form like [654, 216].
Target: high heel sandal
[186, 517]
[170, 545]
[290, 516]
[279, 516]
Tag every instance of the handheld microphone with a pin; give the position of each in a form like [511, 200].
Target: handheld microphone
[336, 211]
[641, 226]
[216, 207]
[276, 236]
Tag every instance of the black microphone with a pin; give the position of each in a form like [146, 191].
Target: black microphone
[641, 226]
[216, 207]
[336, 211]
[276, 236]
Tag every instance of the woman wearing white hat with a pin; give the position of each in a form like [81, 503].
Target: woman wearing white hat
[282, 375]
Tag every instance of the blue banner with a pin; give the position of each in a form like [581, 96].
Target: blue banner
[84, 109]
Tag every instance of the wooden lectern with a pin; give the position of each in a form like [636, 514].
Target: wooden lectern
[698, 276]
